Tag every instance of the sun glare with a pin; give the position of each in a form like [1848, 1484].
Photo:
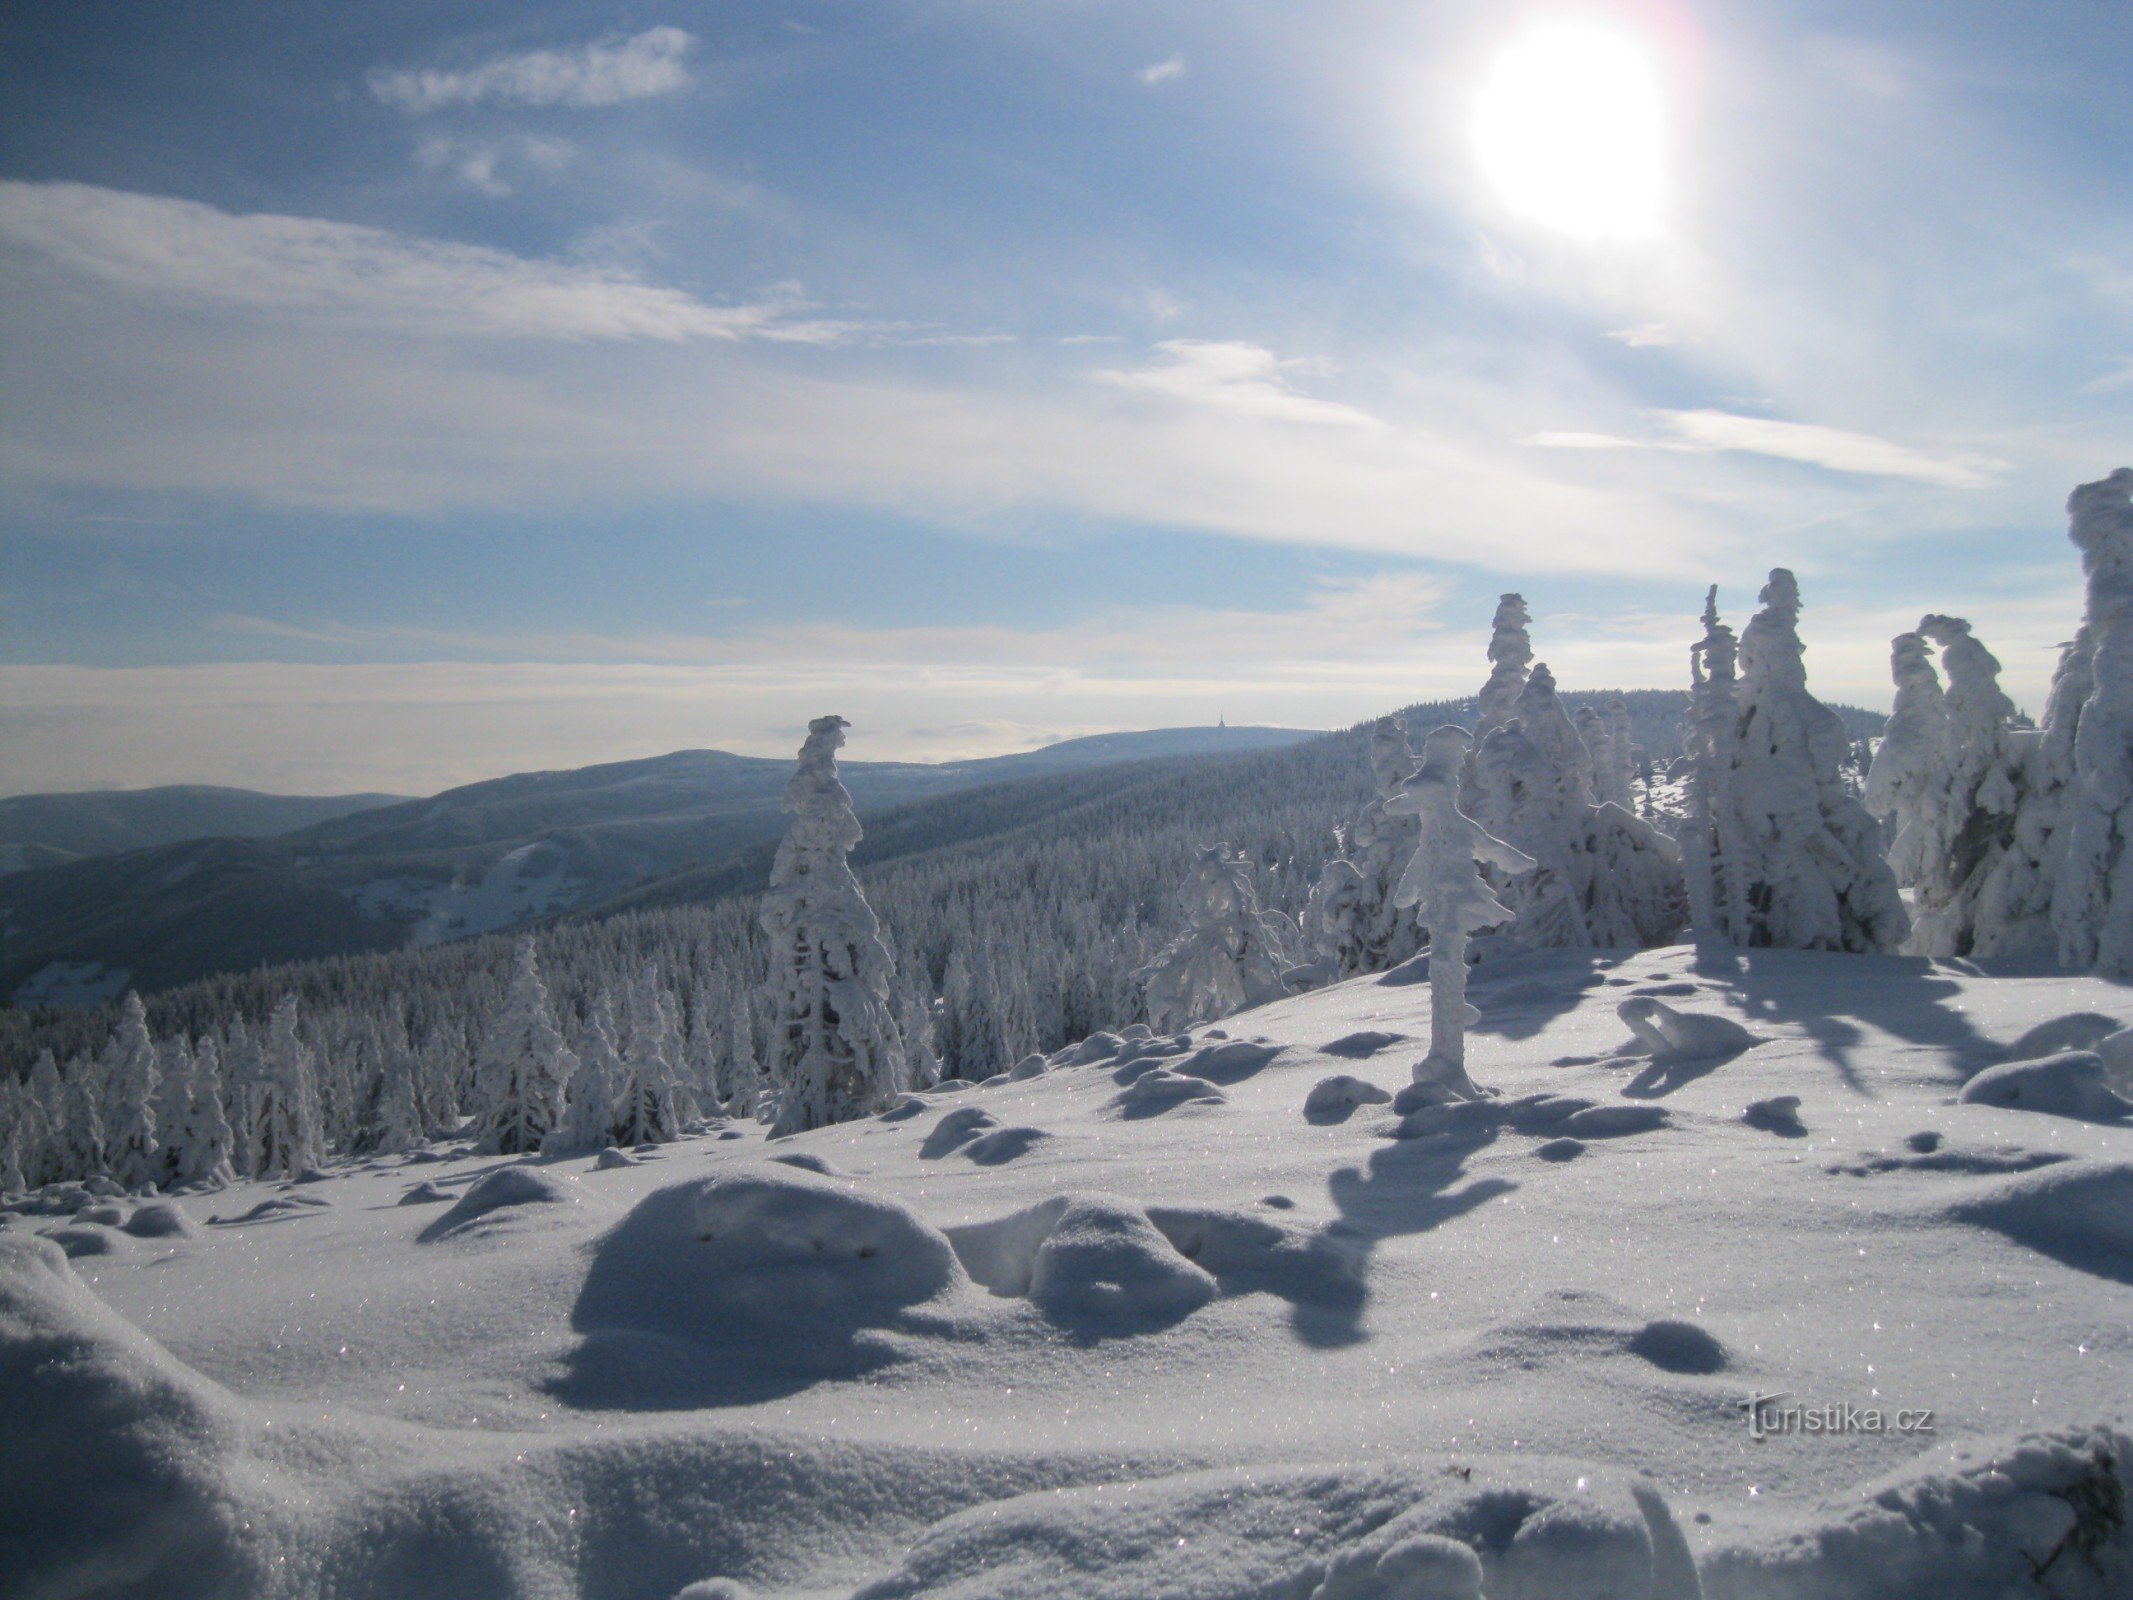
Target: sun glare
[1569, 131]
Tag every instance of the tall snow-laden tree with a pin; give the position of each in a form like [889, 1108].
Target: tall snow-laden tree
[523, 1066]
[80, 1125]
[645, 1098]
[1229, 955]
[203, 1144]
[2092, 896]
[1445, 886]
[174, 1079]
[43, 1104]
[286, 1136]
[743, 1084]
[131, 1152]
[1510, 654]
[1911, 745]
[1352, 921]
[1613, 784]
[1531, 787]
[589, 1117]
[838, 1053]
[1960, 817]
[1713, 847]
[1816, 878]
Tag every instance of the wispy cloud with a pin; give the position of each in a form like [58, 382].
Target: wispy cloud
[1230, 375]
[152, 246]
[1162, 71]
[1833, 449]
[481, 164]
[1644, 336]
[604, 73]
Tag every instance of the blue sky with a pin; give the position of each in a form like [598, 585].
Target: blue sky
[396, 395]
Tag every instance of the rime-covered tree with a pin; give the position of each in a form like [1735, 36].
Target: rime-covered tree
[1352, 921]
[131, 1153]
[202, 1142]
[743, 1084]
[1443, 882]
[1714, 847]
[2092, 897]
[524, 1064]
[1510, 654]
[590, 1118]
[13, 1146]
[1611, 784]
[79, 1136]
[838, 1053]
[286, 1136]
[1229, 955]
[1901, 775]
[43, 1104]
[1816, 878]
[1532, 787]
[645, 1097]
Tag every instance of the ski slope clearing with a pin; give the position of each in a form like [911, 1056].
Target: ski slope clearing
[1205, 1316]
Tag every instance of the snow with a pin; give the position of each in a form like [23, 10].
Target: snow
[1499, 1346]
[71, 983]
[530, 881]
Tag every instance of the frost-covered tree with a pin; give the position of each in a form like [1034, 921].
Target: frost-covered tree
[1229, 955]
[1351, 919]
[1443, 882]
[838, 1053]
[202, 1142]
[1510, 654]
[79, 1134]
[13, 1163]
[1815, 876]
[2092, 897]
[174, 1078]
[399, 1118]
[590, 1118]
[1911, 746]
[286, 1136]
[743, 1081]
[524, 1064]
[131, 1153]
[924, 1066]
[1532, 787]
[1612, 783]
[646, 1111]
[42, 1105]
[1714, 847]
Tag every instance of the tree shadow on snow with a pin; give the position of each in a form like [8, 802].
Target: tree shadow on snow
[1520, 995]
[1912, 1000]
[1404, 1188]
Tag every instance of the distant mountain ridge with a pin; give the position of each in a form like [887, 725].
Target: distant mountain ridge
[478, 858]
[43, 830]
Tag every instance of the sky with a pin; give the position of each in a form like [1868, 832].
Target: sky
[402, 394]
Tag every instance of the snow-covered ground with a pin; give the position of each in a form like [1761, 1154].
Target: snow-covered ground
[1142, 1327]
[530, 881]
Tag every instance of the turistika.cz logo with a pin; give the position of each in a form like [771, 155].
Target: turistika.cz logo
[1769, 1416]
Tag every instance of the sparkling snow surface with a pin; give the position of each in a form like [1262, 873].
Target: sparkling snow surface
[1216, 1347]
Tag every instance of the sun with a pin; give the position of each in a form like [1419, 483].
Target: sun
[1569, 129]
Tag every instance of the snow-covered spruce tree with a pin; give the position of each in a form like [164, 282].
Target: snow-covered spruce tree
[1816, 879]
[242, 1074]
[743, 1082]
[838, 1053]
[1531, 786]
[1229, 955]
[1962, 821]
[589, 1116]
[1911, 746]
[43, 1104]
[1510, 654]
[1445, 886]
[916, 1016]
[1714, 850]
[79, 1134]
[1353, 924]
[2092, 897]
[13, 1166]
[286, 1136]
[399, 1125]
[1612, 785]
[645, 1095]
[174, 1079]
[203, 1144]
[523, 1066]
[131, 1153]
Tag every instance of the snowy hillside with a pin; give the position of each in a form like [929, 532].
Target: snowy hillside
[1167, 1317]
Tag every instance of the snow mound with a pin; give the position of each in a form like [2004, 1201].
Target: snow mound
[808, 1161]
[85, 1239]
[1577, 1328]
[2043, 1515]
[1544, 1115]
[610, 1159]
[112, 1462]
[955, 1130]
[1673, 1035]
[1031, 1066]
[1362, 1045]
[1231, 1061]
[2070, 1084]
[1332, 1099]
[160, 1219]
[279, 1208]
[1524, 1530]
[1105, 1269]
[1003, 1145]
[708, 1288]
[2077, 1212]
[495, 1198]
[1159, 1090]
[1247, 1252]
[2077, 1030]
